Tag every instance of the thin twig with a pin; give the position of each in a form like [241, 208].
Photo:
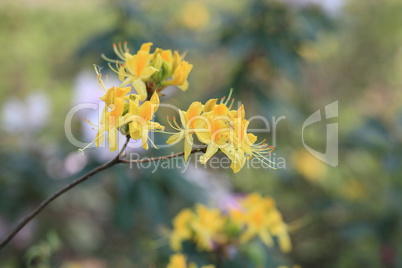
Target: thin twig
[85, 177]
[114, 161]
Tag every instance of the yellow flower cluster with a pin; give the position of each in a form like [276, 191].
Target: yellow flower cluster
[220, 128]
[180, 261]
[216, 125]
[256, 216]
[123, 112]
[149, 72]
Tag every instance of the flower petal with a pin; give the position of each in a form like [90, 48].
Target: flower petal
[141, 89]
[211, 150]
[188, 146]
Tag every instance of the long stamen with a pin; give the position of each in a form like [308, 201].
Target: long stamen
[229, 96]
[174, 127]
[122, 51]
[175, 122]
[126, 49]
[152, 143]
[89, 122]
[117, 51]
[163, 131]
[81, 150]
[231, 104]
[99, 77]
[265, 160]
[103, 56]
[116, 70]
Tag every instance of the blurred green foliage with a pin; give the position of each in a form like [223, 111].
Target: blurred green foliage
[281, 59]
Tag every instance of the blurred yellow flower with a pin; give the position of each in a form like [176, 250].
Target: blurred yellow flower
[309, 166]
[256, 216]
[180, 261]
[195, 15]
[262, 219]
[181, 229]
[177, 261]
[207, 224]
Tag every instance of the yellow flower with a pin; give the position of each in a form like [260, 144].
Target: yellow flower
[137, 70]
[123, 112]
[180, 76]
[220, 128]
[261, 218]
[190, 120]
[181, 229]
[149, 72]
[172, 59]
[180, 261]
[111, 118]
[139, 118]
[257, 225]
[177, 261]
[255, 216]
[207, 225]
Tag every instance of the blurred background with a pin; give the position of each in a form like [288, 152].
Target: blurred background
[282, 58]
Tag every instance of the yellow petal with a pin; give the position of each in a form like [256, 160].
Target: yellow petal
[109, 96]
[183, 117]
[167, 56]
[141, 89]
[146, 47]
[184, 86]
[157, 62]
[112, 135]
[193, 113]
[144, 137]
[175, 138]
[130, 63]
[266, 238]
[147, 72]
[211, 150]
[133, 108]
[188, 146]
[176, 60]
[209, 105]
[155, 100]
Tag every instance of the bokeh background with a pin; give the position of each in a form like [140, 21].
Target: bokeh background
[282, 58]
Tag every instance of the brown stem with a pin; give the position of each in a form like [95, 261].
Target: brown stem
[27, 219]
[85, 177]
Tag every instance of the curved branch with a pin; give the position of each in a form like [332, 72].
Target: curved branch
[114, 161]
[85, 177]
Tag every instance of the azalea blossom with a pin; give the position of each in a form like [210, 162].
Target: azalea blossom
[123, 112]
[221, 129]
[150, 72]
